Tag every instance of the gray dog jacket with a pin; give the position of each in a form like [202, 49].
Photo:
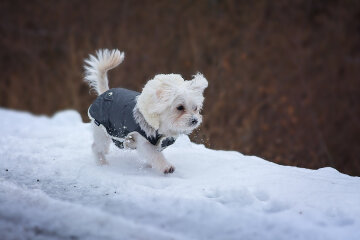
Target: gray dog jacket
[114, 110]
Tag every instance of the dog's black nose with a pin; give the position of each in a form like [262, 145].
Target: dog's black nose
[194, 121]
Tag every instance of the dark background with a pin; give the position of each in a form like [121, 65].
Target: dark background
[284, 76]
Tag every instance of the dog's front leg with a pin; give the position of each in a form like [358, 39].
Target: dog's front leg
[149, 152]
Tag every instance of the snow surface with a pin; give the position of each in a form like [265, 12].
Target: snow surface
[51, 188]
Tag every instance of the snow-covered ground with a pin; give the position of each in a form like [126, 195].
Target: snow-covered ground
[51, 188]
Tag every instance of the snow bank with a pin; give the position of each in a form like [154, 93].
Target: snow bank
[51, 188]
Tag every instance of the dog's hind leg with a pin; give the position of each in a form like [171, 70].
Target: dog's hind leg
[101, 144]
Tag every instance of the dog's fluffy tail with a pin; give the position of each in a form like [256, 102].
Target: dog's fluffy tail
[96, 68]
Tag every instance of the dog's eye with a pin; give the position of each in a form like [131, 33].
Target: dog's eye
[180, 108]
[195, 109]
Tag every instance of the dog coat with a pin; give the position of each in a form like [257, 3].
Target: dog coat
[114, 110]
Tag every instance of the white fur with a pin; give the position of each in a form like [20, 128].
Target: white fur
[96, 68]
[150, 152]
[160, 89]
[101, 144]
[167, 104]
[164, 92]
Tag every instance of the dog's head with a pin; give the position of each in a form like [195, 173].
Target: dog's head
[171, 105]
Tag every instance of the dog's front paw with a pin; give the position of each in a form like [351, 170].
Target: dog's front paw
[169, 169]
[130, 141]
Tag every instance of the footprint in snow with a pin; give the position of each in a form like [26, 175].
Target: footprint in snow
[261, 195]
[234, 197]
[338, 217]
[275, 206]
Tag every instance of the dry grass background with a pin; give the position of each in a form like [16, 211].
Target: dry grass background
[284, 76]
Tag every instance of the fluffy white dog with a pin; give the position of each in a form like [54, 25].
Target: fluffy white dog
[148, 121]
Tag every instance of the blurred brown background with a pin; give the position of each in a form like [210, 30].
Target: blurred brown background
[284, 76]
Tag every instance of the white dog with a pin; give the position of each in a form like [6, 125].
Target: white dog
[148, 121]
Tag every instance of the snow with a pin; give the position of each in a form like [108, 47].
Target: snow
[51, 188]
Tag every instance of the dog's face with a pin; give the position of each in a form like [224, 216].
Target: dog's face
[182, 115]
[171, 105]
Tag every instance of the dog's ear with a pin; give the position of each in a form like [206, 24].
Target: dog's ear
[198, 83]
[157, 95]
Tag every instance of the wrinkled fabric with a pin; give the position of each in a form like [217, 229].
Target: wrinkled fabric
[114, 110]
